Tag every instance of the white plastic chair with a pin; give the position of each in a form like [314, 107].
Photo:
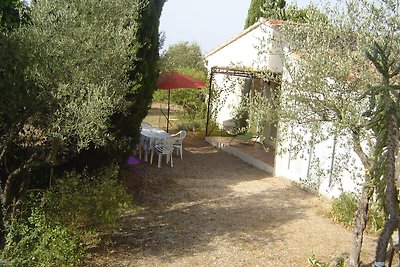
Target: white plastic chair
[165, 147]
[145, 125]
[179, 136]
[143, 142]
[146, 145]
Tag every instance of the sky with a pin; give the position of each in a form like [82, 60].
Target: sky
[209, 23]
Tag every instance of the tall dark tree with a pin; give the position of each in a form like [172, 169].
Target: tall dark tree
[144, 70]
[277, 9]
[264, 8]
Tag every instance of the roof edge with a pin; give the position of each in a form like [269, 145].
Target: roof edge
[270, 22]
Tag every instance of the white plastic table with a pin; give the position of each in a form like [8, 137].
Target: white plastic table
[149, 136]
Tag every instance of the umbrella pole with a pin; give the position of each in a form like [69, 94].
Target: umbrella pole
[169, 99]
[209, 101]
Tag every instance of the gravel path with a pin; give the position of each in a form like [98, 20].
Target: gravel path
[212, 209]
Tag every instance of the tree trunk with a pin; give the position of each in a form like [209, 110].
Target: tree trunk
[391, 200]
[12, 189]
[2, 225]
[361, 216]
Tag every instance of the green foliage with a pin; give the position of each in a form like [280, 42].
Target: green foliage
[36, 241]
[314, 262]
[12, 13]
[58, 225]
[305, 15]
[76, 80]
[87, 201]
[254, 12]
[274, 9]
[58, 89]
[143, 71]
[192, 126]
[376, 218]
[382, 51]
[277, 9]
[185, 58]
[344, 208]
[322, 96]
[72, 45]
[182, 55]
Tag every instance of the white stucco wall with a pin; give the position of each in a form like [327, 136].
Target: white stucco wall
[226, 109]
[259, 49]
[313, 164]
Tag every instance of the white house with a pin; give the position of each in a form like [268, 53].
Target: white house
[236, 64]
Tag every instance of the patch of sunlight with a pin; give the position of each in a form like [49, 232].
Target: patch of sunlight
[251, 187]
[202, 150]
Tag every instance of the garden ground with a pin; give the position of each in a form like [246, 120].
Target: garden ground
[212, 209]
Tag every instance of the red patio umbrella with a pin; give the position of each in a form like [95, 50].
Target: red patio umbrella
[176, 80]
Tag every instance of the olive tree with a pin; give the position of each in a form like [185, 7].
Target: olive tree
[71, 79]
[382, 24]
[182, 55]
[325, 86]
[329, 84]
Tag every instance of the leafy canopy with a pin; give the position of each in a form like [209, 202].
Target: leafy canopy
[277, 9]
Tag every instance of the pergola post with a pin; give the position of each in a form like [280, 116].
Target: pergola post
[209, 100]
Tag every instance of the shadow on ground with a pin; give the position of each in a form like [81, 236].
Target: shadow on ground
[207, 199]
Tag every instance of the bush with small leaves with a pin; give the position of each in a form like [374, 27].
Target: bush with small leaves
[87, 201]
[36, 241]
[344, 207]
[55, 227]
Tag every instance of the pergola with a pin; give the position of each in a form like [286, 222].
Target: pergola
[238, 72]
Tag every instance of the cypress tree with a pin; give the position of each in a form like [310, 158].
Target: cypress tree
[273, 9]
[144, 71]
[254, 12]
[277, 9]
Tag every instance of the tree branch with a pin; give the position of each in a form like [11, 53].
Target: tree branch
[7, 196]
[3, 153]
[366, 161]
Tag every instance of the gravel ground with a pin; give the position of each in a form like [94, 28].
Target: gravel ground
[212, 209]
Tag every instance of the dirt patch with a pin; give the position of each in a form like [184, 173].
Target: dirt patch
[212, 209]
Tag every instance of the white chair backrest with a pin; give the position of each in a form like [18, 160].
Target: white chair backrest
[146, 125]
[182, 134]
[167, 146]
[178, 137]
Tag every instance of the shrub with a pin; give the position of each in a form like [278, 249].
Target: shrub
[56, 226]
[192, 126]
[344, 207]
[36, 241]
[376, 219]
[87, 201]
[314, 262]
